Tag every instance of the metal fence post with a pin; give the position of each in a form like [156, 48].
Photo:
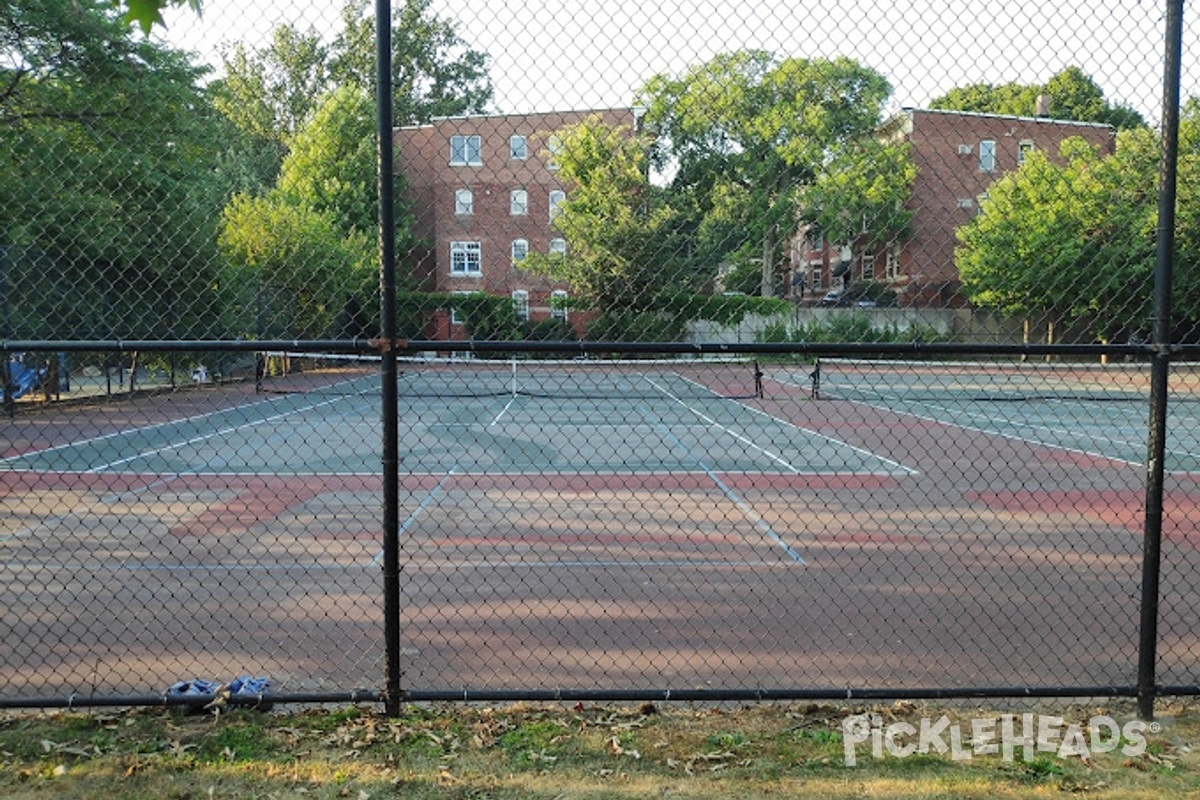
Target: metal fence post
[1161, 363]
[387, 307]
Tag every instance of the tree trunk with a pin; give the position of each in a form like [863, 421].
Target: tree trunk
[768, 263]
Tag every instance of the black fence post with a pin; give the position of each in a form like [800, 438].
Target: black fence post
[1160, 364]
[387, 372]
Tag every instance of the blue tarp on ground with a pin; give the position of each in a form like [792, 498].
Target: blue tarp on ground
[24, 378]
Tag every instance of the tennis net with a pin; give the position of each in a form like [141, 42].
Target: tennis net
[448, 378]
[985, 381]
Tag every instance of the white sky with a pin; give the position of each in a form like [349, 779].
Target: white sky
[571, 54]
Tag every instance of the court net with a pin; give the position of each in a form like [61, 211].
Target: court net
[989, 381]
[449, 378]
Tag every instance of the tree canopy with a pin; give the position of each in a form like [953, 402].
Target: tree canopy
[619, 245]
[1072, 94]
[743, 131]
[113, 138]
[1074, 238]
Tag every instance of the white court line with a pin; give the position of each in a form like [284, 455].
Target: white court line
[425, 502]
[1000, 434]
[205, 437]
[145, 428]
[734, 497]
[791, 468]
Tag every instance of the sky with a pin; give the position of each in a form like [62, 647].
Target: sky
[578, 54]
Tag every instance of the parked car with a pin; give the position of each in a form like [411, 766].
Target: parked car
[835, 297]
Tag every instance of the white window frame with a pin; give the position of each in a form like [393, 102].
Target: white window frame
[518, 202]
[557, 198]
[1024, 148]
[817, 276]
[454, 318]
[891, 266]
[866, 267]
[518, 147]
[987, 155]
[519, 250]
[466, 150]
[558, 304]
[554, 147]
[558, 246]
[464, 202]
[520, 299]
[466, 258]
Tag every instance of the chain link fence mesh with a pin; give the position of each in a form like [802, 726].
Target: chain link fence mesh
[769, 347]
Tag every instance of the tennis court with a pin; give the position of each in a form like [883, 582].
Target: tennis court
[649, 524]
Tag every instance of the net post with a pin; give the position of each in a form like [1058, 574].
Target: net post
[815, 376]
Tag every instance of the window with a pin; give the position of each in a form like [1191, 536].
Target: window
[518, 148]
[518, 202]
[464, 201]
[465, 258]
[891, 267]
[987, 156]
[520, 249]
[554, 146]
[558, 304]
[455, 317]
[558, 246]
[867, 266]
[466, 150]
[1023, 150]
[816, 279]
[520, 299]
[816, 240]
[557, 198]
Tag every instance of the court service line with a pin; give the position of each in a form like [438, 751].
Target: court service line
[838, 442]
[426, 501]
[747, 511]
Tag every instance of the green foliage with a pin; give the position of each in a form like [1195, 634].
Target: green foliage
[290, 268]
[1071, 238]
[849, 327]
[619, 250]
[743, 131]
[860, 195]
[332, 160]
[434, 72]
[148, 13]
[636, 327]
[1073, 95]
[109, 179]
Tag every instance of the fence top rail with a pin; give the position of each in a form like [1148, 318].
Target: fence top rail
[596, 348]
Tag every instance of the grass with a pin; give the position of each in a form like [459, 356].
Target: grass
[559, 752]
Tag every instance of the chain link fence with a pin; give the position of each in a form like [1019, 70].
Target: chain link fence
[766, 350]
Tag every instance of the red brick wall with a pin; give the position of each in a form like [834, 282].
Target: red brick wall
[423, 159]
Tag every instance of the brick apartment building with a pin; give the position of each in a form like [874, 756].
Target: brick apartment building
[957, 156]
[483, 191]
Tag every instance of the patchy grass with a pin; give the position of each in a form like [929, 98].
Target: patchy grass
[597, 753]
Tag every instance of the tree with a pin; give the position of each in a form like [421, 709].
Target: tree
[858, 198]
[290, 268]
[1073, 239]
[619, 251]
[1072, 94]
[749, 129]
[272, 93]
[434, 72]
[332, 161]
[110, 178]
